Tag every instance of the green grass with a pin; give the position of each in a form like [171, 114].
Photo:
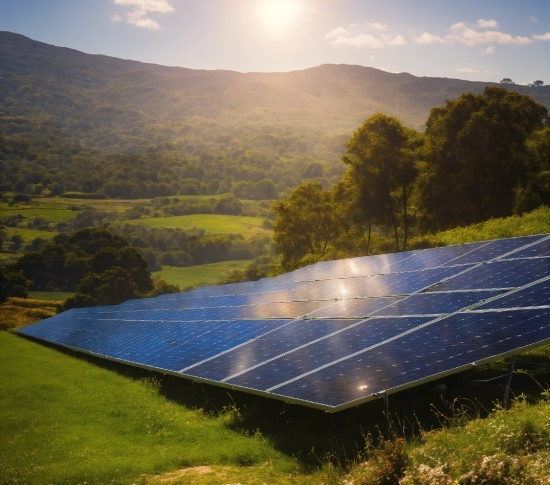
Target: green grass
[29, 234]
[536, 222]
[65, 420]
[50, 295]
[213, 223]
[51, 214]
[194, 275]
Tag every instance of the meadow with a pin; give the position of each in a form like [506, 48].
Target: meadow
[212, 223]
[208, 274]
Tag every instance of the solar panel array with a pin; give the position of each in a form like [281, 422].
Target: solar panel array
[337, 333]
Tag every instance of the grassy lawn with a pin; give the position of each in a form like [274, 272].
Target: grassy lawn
[65, 420]
[213, 223]
[193, 275]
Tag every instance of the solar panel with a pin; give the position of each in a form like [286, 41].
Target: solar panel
[337, 333]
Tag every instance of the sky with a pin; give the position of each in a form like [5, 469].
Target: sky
[483, 40]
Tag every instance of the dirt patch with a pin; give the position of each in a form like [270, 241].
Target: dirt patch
[170, 477]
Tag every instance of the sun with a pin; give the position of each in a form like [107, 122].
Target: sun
[277, 15]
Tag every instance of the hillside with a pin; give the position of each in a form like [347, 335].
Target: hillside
[114, 104]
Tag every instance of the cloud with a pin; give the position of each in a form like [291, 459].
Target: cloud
[376, 26]
[469, 70]
[464, 34]
[490, 50]
[355, 36]
[427, 38]
[115, 18]
[466, 69]
[140, 10]
[542, 37]
[487, 24]
[337, 32]
[534, 19]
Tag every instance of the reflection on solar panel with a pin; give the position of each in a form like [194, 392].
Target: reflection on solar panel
[337, 333]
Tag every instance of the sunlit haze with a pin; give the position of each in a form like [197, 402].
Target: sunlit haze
[278, 14]
[485, 40]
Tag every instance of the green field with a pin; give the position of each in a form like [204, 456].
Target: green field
[65, 420]
[194, 275]
[50, 295]
[213, 223]
[49, 212]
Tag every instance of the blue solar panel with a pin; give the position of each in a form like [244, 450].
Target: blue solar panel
[499, 274]
[460, 340]
[355, 308]
[532, 296]
[541, 248]
[307, 358]
[436, 303]
[336, 333]
[494, 249]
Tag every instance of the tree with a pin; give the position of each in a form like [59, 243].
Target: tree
[536, 190]
[305, 225]
[476, 156]
[111, 287]
[381, 156]
[537, 84]
[12, 283]
[506, 80]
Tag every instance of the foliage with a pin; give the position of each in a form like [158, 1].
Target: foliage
[305, 224]
[12, 283]
[381, 156]
[476, 157]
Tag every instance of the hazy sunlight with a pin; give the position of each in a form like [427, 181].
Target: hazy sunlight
[277, 15]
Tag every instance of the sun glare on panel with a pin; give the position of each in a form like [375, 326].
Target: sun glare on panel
[277, 15]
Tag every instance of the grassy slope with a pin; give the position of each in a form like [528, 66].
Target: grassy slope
[20, 312]
[66, 423]
[213, 223]
[194, 275]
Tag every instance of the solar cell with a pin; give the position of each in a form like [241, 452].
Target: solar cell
[462, 340]
[532, 296]
[494, 249]
[541, 248]
[355, 308]
[307, 358]
[498, 274]
[436, 303]
[336, 333]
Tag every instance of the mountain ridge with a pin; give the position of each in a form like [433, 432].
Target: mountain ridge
[114, 103]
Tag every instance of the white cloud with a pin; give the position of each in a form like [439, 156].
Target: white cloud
[372, 58]
[427, 38]
[140, 10]
[376, 26]
[542, 37]
[466, 69]
[355, 36]
[487, 24]
[361, 40]
[397, 40]
[469, 70]
[115, 18]
[534, 19]
[490, 50]
[464, 34]
[337, 32]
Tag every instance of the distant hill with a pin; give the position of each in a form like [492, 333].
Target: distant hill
[114, 104]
